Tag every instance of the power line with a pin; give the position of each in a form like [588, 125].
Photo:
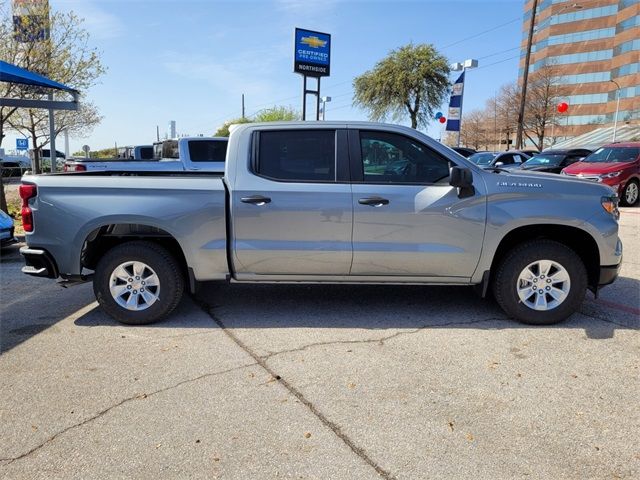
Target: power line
[517, 19]
[499, 61]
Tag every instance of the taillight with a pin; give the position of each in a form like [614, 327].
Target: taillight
[81, 168]
[65, 168]
[27, 191]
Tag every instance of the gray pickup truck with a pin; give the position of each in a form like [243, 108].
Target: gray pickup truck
[183, 154]
[325, 202]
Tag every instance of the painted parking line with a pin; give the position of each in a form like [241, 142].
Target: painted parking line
[617, 306]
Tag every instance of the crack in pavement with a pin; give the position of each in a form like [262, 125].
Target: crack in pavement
[262, 362]
[359, 451]
[8, 461]
[631, 327]
[379, 341]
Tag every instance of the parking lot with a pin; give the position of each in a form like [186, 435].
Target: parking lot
[319, 382]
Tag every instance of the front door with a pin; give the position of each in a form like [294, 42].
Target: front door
[408, 220]
[290, 214]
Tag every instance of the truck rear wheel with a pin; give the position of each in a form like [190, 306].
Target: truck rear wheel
[540, 282]
[138, 283]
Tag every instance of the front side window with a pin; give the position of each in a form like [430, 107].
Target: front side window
[207, 150]
[297, 155]
[392, 158]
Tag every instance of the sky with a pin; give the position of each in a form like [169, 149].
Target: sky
[191, 61]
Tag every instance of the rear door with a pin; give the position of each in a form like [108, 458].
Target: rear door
[408, 220]
[292, 212]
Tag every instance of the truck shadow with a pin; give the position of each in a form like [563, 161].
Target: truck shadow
[383, 307]
[320, 306]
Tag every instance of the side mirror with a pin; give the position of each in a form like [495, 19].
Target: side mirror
[462, 179]
[499, 164]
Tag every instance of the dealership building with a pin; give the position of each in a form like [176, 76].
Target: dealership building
[594, 48]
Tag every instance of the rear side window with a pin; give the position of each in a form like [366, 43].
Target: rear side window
[146, 153]
[207, 150]
[297, 155]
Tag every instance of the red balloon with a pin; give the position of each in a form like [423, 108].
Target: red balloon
[442, 119]
[563, 107]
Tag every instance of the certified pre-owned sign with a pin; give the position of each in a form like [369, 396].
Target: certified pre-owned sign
[312, 54]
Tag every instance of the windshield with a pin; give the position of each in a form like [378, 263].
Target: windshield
[543, 159]
[482, 158]
[613, 154]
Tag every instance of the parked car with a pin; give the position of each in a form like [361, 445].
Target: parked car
[312, 202]
[530, 153]
[553, 161]
[616, 165]
[509, 159]
[6, 229]
[464, 151]
[13, 165]
[185, 154]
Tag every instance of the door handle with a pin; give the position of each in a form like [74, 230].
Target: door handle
[256, 200]
[373, 201]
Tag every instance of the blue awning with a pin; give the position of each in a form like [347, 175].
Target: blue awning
[14, 74]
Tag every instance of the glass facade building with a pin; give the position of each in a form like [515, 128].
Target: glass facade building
[587, 46]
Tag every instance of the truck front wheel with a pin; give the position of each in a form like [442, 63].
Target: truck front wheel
[138, 283]
[540, 282]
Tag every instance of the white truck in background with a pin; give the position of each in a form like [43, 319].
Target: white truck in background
[184, 154]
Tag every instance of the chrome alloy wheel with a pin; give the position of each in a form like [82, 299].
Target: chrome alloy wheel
[631, 193]
[543, 285]
[134, 286]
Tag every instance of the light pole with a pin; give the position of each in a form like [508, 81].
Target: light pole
[615, 119]
[324, 101]
[456, 67]
[525, 73]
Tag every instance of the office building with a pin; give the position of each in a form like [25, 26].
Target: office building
[594, 48]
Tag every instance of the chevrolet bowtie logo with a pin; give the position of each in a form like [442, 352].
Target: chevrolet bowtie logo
[313, 42]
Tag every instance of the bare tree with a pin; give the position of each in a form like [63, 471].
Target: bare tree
[65, 57]
[542, 96]
[476, 130]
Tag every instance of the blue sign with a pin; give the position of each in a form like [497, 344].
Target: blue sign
[312, 53]
[22, 144]
[455, 105]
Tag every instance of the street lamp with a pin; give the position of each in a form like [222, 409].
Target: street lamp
[324, 101]
[456, 67]
[615, 119]
[525, 73]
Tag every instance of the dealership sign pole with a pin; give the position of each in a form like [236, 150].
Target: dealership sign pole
[311, 58]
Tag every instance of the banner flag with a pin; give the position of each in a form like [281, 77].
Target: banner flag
[455, 104]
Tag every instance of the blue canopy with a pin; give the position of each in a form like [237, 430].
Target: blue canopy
[13, 74]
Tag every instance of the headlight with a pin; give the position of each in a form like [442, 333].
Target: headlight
[610, 204]
[611, 175]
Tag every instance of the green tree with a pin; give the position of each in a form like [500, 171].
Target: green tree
[273, 114]
[223, 131]
[411, 80]
[277, 114]
[65, 57]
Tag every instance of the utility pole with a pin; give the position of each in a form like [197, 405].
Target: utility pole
[157, 133]
[525, 76]
[243, 105]
[615, 119]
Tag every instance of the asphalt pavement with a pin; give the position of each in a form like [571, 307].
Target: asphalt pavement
[267, 382]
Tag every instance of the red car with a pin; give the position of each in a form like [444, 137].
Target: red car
[616, 165]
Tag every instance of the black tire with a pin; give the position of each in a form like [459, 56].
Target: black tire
[157, 258]
[505, 281]
[623, 198]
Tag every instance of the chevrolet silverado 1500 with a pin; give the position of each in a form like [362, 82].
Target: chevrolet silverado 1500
[325, 202]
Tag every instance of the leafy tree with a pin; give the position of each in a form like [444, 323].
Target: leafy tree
[223, 131]
[65, 57]
[412, 80]
[274, 114]
[277, 114]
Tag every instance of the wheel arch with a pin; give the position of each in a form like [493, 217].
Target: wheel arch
[579, 240]
[103, 238]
